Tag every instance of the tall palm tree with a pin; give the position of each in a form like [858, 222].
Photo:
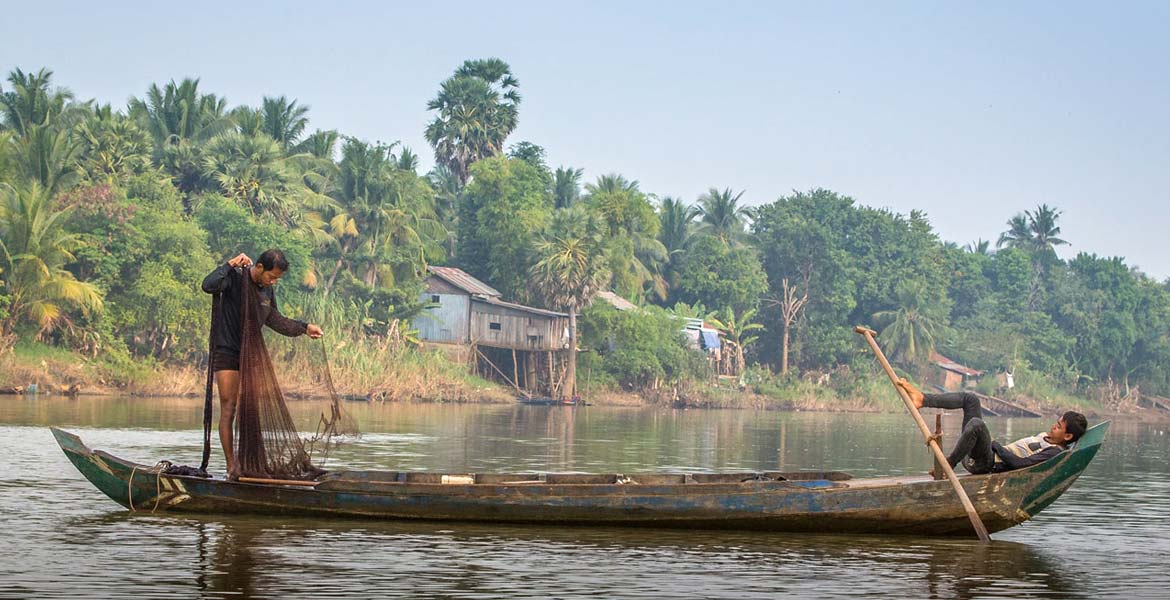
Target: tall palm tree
[676, 218]
[1042, 224]
[34, 251]
[910, 328]
[283, 121]
[1034, 231]
[477, 108]
[178, 112]
[33, 102]
[721, 215]
[570, 269]
[566, 186]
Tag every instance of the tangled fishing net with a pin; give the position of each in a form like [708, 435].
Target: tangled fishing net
[267, 441]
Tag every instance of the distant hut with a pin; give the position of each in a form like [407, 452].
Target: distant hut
[521, 345]
[954, 376]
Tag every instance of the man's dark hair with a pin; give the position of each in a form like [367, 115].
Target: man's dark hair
[1075, 423]
[273, 259]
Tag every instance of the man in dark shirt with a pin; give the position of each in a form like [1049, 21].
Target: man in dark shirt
[979, 453]
[228, 280]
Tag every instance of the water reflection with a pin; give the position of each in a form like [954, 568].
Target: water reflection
[1106, 536]
[265, 557]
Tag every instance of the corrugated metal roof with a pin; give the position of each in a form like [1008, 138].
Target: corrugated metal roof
[617, 301]
[950, 365]
[463, 281]
[521, 307]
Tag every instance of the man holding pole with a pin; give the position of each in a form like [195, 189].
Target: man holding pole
[975, 448]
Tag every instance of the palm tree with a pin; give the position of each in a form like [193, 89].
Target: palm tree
[34, 250]
[48, 156]
[570, 269]
[476, 111]
[283, 121]
[722, 216]
[320, 143]
[406, 161]
[979, 246]
[113, 147]
[1034, 231]
[676, 218]
[566, 186]
[447, 190]
[178, 112]
[909, 329]
[33, 103]
[1042, 224]
[735, 330]
[385, 220]
[636, 256]
[251, 170]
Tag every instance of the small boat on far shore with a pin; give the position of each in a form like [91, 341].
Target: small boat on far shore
[801, 501]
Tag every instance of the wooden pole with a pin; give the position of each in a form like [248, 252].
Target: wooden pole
[976, 522]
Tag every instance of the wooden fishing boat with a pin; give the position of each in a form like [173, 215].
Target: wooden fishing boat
[774, 501]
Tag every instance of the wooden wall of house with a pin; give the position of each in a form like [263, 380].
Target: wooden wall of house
[516, 329]
[447, 322]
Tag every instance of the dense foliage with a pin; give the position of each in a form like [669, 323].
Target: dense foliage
[110, 217]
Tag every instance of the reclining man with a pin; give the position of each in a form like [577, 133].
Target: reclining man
[979, 453]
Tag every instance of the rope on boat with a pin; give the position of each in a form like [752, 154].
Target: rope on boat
[157, 469]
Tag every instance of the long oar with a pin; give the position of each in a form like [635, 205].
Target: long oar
[931, 441]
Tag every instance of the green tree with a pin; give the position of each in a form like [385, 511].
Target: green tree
[909, 330]
[736, 330]
[35, 250]
[33, 103]
[566, 186]
[570, 269]
[636, 257]
[718, 275]
[283, 120]
[721, 215]
[501, 212]
[476, 110]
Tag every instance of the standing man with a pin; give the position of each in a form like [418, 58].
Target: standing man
[228, 280]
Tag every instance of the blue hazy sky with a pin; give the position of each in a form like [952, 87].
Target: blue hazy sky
[971, 112]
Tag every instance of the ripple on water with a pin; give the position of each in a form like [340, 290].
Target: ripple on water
[1105, 537]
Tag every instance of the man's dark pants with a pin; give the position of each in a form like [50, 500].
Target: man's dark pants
[973, 448]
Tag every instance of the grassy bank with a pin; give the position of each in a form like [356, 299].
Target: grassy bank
[393, 371]
[387, 372]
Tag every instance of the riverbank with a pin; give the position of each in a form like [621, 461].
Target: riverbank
[413, 376]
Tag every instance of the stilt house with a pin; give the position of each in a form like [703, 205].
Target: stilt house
[518, 344]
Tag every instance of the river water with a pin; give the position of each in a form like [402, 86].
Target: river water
[1106, 537]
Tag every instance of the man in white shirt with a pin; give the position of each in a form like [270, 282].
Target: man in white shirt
[979, 453]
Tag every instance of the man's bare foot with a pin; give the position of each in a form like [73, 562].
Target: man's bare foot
[916, 397]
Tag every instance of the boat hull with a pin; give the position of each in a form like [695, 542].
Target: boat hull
[798, 502]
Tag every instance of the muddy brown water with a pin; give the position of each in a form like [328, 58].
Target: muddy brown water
[1107, 537]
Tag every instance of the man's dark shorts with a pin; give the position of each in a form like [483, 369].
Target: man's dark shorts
[223, 360]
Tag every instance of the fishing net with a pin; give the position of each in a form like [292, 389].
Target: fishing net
[267, 442]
